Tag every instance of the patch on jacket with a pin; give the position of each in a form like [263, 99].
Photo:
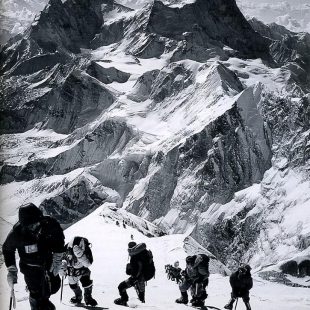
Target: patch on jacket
[32, 248]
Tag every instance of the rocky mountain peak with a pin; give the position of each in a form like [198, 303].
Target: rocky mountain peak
[71, 25]
[211, 21]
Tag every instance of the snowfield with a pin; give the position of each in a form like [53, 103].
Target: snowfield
[109, 245]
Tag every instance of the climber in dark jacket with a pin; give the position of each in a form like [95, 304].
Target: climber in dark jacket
[134, 268]
[195, 278]
[39, 241]
[241, 282]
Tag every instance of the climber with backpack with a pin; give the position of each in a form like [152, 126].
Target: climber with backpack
[241, 282]
[78, 257]
[140, 268]
[196, 278]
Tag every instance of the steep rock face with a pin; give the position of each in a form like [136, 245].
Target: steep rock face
[63, 27]
[79, 101]
[70, 25]
[143, 86]
[81, 198]
[267, 221]
[122, 174]
[209, 21]
[44, 54]
[188, 49]
[209, 167]
[171, 81]
[107, 75]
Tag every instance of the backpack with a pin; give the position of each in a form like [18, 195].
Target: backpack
[149, 267]
[202, 261]
[87, 251]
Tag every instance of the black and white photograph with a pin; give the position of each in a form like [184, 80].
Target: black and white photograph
[155, 154]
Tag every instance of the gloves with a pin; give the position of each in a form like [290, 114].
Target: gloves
[128, 269]
[56, 263]
[63, 268]
[12, 275]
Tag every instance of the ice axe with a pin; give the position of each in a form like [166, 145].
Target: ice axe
[236, 303]
[62, 288]
[12, 299]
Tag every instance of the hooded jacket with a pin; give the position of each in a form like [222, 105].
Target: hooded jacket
[35, 248]
[138, 259]
[241, 282]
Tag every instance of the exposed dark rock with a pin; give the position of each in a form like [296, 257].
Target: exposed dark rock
[143, 87]
[70, 25]
[304, 268]
[153, 46]
[121, 174]
[209, 21]
[73, 204]
[160, 188]
[27, 172]
[77, 102]
[107, 75]
[37, 63]
[274, 276]
[110, 136]
[109, 33]
[290, 267]
[188, 49]
[221, 160]
[167, 83]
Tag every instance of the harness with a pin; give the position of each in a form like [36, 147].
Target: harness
[73, 272]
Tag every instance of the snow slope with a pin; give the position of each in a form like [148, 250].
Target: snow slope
[109, 245]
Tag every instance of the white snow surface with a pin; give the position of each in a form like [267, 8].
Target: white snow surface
[109, 246]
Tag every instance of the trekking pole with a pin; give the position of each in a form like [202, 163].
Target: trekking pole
[62, 287]
[236, 303]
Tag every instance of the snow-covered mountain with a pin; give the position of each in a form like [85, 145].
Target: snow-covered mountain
[293, 14]
[17, 15]
[109, 246]
[182, 113]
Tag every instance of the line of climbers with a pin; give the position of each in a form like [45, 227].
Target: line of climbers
[44, 256]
